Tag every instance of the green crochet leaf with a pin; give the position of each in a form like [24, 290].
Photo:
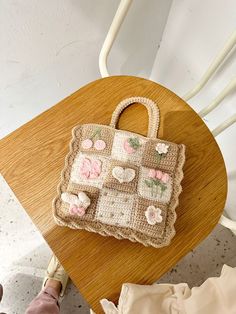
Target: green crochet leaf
[134, 142]
[97, 133]
[160, 156]
[163, 187]
[156, 182]
[149, 183]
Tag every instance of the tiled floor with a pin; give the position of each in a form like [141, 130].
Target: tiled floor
[23, 262]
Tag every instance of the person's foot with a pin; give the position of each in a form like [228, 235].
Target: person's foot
[56, 277]
[54, 284]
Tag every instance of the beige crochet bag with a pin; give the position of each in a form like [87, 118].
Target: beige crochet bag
[120, 183]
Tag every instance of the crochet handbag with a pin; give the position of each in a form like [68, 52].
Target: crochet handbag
[122, 184]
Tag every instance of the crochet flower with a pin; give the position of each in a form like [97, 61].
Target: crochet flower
[90, 168]
[153, 215]
[162, 148]
[157, 181]
[164, 177]
[76, 210]
[78, 203]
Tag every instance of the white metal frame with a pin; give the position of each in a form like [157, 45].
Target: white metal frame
[224, 221]
[230, 44]
[111, 35]
[220, 57]
[224, 125]
[216, 101]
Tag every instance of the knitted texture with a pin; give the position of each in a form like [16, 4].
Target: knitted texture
[132, 182]
[115, 208]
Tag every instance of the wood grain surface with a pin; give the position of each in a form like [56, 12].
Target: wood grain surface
[31, 159]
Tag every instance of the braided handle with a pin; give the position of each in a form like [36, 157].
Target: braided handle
[153, 113]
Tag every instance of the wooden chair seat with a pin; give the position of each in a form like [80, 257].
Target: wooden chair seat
[31, 159]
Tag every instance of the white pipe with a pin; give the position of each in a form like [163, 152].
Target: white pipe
[213, 67]
[215, 102]
[224, 125]
[111, 35]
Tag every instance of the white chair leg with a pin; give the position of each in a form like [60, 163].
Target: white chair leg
[224, 221]
[215, 102]
[228, 223]
[213, 67]
[224, 125]
[111, 35]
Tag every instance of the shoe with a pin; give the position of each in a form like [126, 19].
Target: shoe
[56, 271]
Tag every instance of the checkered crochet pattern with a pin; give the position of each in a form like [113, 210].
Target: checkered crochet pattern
[123, 174]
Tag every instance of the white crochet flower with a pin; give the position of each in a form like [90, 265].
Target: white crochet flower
[78, 203]
[153, 215]
[162, 148]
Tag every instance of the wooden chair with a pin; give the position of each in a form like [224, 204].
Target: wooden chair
[31, 159]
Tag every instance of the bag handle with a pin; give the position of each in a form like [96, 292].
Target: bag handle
[153, 113]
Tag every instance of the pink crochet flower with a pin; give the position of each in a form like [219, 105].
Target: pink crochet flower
[90, 168]
[165, 177]
[75, 210]
[158, 174]
[153, 215]
[78, 203]
[152, 173]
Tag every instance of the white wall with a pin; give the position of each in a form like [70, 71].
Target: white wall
[49, 49]
[195, 32]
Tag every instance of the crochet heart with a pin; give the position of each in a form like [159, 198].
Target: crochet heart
[123, 174]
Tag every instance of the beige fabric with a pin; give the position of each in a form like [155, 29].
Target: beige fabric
[214, 296]
[153, 113]
[148, 168]
[157, 235]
